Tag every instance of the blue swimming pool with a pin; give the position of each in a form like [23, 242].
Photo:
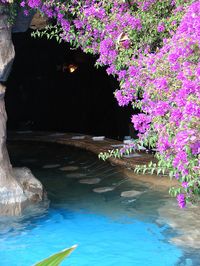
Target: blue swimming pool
[109, 229]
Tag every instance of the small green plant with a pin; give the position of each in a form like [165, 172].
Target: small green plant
[57, 258]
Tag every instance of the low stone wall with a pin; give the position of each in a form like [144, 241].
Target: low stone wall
[87, 143]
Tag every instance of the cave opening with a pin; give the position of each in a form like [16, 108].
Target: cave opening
[53, 87]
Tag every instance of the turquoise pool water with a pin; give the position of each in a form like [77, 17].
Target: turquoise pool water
[109, 229]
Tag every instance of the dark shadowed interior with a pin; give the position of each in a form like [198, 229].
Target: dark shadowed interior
[42, 94]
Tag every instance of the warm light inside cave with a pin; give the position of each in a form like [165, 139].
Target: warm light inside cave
[72, 68]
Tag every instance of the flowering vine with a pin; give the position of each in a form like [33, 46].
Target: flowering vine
[152, 48]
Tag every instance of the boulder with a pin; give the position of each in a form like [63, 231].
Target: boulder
[25, 191]
[32, 187]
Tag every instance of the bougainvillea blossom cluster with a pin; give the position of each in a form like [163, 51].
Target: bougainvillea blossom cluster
[152, 48]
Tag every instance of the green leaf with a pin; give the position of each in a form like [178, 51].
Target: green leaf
[57, 258]
[152, 170]
[144, 171]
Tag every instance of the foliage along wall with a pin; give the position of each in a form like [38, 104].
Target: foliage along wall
[152, 48]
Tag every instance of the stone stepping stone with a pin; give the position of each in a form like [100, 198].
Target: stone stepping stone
[103, 189]
[49, 166]
[131, 193]
[90, 181]
[69, 168]
[75, 175]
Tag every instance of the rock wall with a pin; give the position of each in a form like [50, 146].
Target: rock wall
[18, 187]
[7, 52]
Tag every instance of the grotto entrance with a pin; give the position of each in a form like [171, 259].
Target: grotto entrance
[45, 92]
[42, 94]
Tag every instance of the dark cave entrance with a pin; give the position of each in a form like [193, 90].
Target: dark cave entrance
[42, 94]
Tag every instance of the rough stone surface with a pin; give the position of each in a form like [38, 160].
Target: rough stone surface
[38, 22]
[32, 187]
[11, 192]
[17, 188]
[9, 187]
[31, 192]
[7, 51]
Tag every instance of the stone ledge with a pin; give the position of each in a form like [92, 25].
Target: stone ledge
[127, 164]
